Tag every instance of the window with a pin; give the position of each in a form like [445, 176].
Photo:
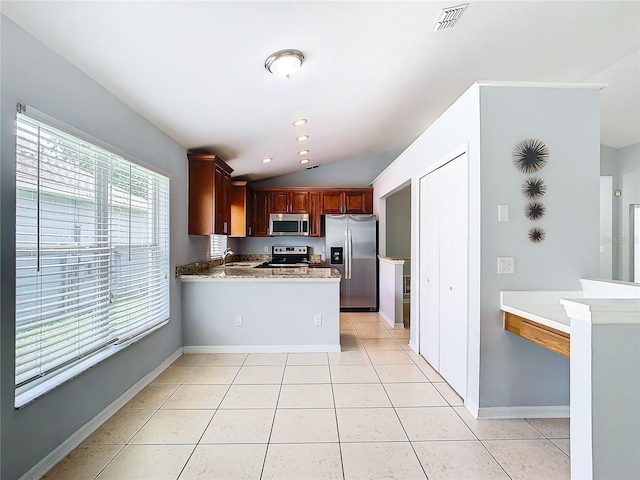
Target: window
[92, 254]
[217, 245]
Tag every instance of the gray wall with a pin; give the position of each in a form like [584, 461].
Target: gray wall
[258, 244]
[398, 207]
[35, 75]
[399, 223]
[629, 171]
[355, 172]
[515, 372]
[623, 164]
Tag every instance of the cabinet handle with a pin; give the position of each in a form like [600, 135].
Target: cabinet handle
[249, 231]
[224, 227]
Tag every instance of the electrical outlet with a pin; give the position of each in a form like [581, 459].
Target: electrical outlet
[317, 320]
[506, 265]
[238, 320]
[266, 248]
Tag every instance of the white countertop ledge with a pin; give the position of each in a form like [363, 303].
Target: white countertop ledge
[540, 306]
[603, 311]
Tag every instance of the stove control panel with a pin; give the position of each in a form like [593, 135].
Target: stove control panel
[289, 250]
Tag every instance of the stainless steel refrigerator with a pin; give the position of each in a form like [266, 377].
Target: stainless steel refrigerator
[351, 247]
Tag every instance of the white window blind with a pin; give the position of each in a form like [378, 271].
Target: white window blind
[217, 245]
[92, 250]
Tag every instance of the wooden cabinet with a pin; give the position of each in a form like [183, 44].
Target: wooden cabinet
[314, 214]
[209, 195]
[289, 202]
[352, 201]
[241, 209]
[314, 201]
[260, 213]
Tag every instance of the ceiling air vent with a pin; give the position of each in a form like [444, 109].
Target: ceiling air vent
[448, 17]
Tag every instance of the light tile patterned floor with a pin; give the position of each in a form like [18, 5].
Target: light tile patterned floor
[375, 410]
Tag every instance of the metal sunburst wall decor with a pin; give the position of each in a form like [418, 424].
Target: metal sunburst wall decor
[537, 234]
[535, 211]
[534, 188]
[530, 155]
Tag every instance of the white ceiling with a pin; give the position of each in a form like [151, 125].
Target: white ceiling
[374, 78]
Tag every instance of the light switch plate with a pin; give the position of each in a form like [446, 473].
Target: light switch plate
[503, 213]
[317, 320]
[506, 265]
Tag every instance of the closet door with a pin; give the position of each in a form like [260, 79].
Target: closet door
[453, 247]
[429, 268]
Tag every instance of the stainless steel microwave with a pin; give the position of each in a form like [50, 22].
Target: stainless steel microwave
[292, 224]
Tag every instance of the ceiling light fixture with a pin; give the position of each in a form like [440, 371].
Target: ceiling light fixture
[267, 160]
[299, 123]
[303, 152]
[302, 138]
[304, 160]
[285, 63]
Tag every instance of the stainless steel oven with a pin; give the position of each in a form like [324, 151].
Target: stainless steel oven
[291, 224]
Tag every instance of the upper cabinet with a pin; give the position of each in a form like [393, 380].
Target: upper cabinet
[241, 209]
[341, 201]
[289, 202]
[260, 213]
[209, 195]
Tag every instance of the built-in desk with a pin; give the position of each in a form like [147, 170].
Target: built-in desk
[539, 317]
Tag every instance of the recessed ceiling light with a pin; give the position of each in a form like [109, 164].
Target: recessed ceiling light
[302, 138]
[299, 123]
[267, 160]
[303, 152]
[304, 160]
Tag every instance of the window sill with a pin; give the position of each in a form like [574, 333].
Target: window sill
[83, 365]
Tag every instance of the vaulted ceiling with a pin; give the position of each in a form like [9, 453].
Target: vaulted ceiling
[375, 76]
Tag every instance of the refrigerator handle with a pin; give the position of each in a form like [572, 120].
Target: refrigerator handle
[349, 251]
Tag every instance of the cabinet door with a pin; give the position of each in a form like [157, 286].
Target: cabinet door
[222, 204]
[331, 203]
[261, 214]
[358, 202]
[279, 202]
[314, 214]
[454, 273]
[430, 268]
[201, 201]
[299, 202]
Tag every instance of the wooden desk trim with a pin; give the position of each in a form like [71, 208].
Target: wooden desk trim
[546, 337]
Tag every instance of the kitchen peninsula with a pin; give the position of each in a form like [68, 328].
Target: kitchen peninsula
[245, 309]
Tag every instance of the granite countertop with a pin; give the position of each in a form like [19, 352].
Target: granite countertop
[242, 268]
[249, 273]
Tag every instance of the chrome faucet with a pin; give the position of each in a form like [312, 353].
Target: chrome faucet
[225, 254]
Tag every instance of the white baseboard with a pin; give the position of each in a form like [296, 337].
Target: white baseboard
[398, 326]
[261, 348]
[560, 411]
[472, 407]
[48, 462]
[413, 346]
[386, 318]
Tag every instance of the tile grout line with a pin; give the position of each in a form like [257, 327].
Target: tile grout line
[335, 412]
[273, 421]
[214, 412]
[394, 408]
